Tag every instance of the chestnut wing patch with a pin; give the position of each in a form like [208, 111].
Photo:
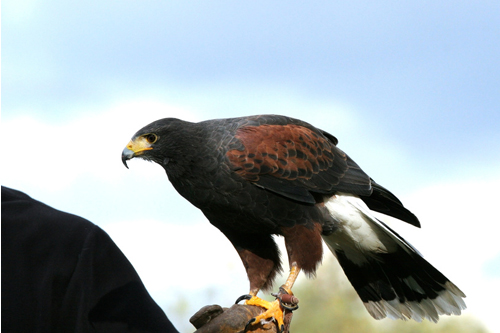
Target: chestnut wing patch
[292, 160]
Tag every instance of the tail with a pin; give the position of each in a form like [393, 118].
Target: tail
[390, 276]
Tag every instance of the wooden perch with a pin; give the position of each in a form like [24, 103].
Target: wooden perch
[213, 318]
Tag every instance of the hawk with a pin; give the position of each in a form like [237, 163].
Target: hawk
[259, 176]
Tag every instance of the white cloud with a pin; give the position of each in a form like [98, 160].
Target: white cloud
[53, 155]
[171, 256]
[177, 262]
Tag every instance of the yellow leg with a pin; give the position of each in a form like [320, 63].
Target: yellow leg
[294, 273]
[274, 310]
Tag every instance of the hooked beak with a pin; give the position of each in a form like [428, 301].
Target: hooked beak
[127, 154]
[135, 148]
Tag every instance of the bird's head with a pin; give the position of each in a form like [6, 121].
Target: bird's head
[158, 142]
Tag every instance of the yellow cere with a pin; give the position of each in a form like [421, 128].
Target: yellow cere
[138, 145]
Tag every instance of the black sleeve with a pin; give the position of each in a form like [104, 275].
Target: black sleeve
[62, 273]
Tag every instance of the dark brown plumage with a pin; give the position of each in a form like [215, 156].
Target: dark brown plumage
[258, 176]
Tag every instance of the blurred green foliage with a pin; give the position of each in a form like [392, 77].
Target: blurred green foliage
[328, 303]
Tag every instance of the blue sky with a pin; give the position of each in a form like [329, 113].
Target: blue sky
[424, 74]
[410, 89]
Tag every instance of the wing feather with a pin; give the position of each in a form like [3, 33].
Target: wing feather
[294, 160]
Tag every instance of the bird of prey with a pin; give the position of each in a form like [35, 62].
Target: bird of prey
[258, 176]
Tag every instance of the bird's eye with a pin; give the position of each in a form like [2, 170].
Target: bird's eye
[151, 138]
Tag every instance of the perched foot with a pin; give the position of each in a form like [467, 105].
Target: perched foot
[274, 310]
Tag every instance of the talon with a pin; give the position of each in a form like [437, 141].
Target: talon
[243, 297]
[273, 311]
[250, 322]
[282, 328]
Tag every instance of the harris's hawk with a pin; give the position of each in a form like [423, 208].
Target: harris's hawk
[258, 176]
